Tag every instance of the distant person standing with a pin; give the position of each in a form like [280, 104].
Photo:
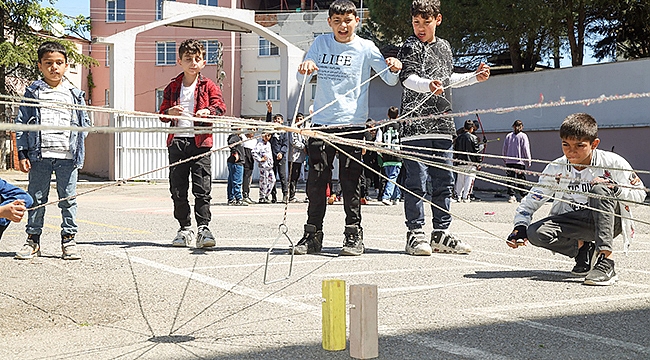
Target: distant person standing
[517, 150]
[468, 148]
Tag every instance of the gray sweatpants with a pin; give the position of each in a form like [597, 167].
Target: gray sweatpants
[561, 233]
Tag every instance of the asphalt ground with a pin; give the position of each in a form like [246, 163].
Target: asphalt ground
[133, 296]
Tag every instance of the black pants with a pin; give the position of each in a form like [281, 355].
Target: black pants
[249, 163]
[293, 178]
[280, 171]
[201, 172]
[516, 174]
[321, 160]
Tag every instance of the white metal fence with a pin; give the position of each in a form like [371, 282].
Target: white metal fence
[137, 153]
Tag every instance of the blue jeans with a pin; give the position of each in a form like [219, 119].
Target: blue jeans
[391, 192]
[432, 182]
[39, 188]
[235, 179]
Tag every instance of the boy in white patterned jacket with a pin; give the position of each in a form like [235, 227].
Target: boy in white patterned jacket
[592, 191]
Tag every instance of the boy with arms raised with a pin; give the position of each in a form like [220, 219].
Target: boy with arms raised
[191, 94]
[43, 152]
[572, 229]
[343, 61]
[428, 68]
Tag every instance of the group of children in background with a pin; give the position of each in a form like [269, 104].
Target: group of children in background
[580, 226]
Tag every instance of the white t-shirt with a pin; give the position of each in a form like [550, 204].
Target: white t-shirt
[55, 144]
[186, 100]
[580, 181]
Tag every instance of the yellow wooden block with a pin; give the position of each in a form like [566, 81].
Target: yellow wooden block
[334, 310]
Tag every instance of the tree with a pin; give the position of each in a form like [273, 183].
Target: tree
[625, 30]
[24, 24]
[523, 30]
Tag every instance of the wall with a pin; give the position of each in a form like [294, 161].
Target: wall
[299, 29]
[623, 125]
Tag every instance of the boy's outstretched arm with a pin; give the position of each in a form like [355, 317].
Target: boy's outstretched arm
[517, 237]
[13, 211]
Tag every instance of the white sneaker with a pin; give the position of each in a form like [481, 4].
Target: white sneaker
[443, 241]
[184, 237]
[466, 200]
[386, 202]
[417, 244]
[512, 200]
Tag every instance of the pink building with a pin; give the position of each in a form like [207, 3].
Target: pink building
[155, 63]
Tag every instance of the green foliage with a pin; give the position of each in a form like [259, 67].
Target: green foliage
[26, 25]
[390, 21]
[625, 29]
[521, 32]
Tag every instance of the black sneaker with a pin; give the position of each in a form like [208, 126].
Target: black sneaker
[585, 259]
[353, 244]
[311, 242]
[603, 272]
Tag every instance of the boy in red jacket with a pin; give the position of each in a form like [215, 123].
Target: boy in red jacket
[191, 94]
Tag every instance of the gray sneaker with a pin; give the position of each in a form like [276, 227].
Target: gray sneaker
[69, 248]
[603, 273]
[444, 241]
[204, 237]
[31, 249]
[183, 237]
[417, 243]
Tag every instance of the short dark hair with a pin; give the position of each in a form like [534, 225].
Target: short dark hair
[469, 124]
[343, 7]
[276, 116]
[393, 112]
[192, 47]
[517, 126]
[425, 8]
[579, 126]
[49, 47]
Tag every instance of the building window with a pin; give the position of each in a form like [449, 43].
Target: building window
[166, 53]
[313, 91]
[268, 90]
[211, 51]
[208, 2]
[159, 5]
[159, 98]
[267, 48]
[115, 10]
[107, 98]
[108, 55]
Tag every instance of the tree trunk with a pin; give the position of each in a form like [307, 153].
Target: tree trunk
[515, 56]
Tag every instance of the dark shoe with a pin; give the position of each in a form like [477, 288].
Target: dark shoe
[274, 200]
[585, 259]
[311, 242]
[231, 202]
[263, 201]
[353, 243]
[603, 272]
[240, 203]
